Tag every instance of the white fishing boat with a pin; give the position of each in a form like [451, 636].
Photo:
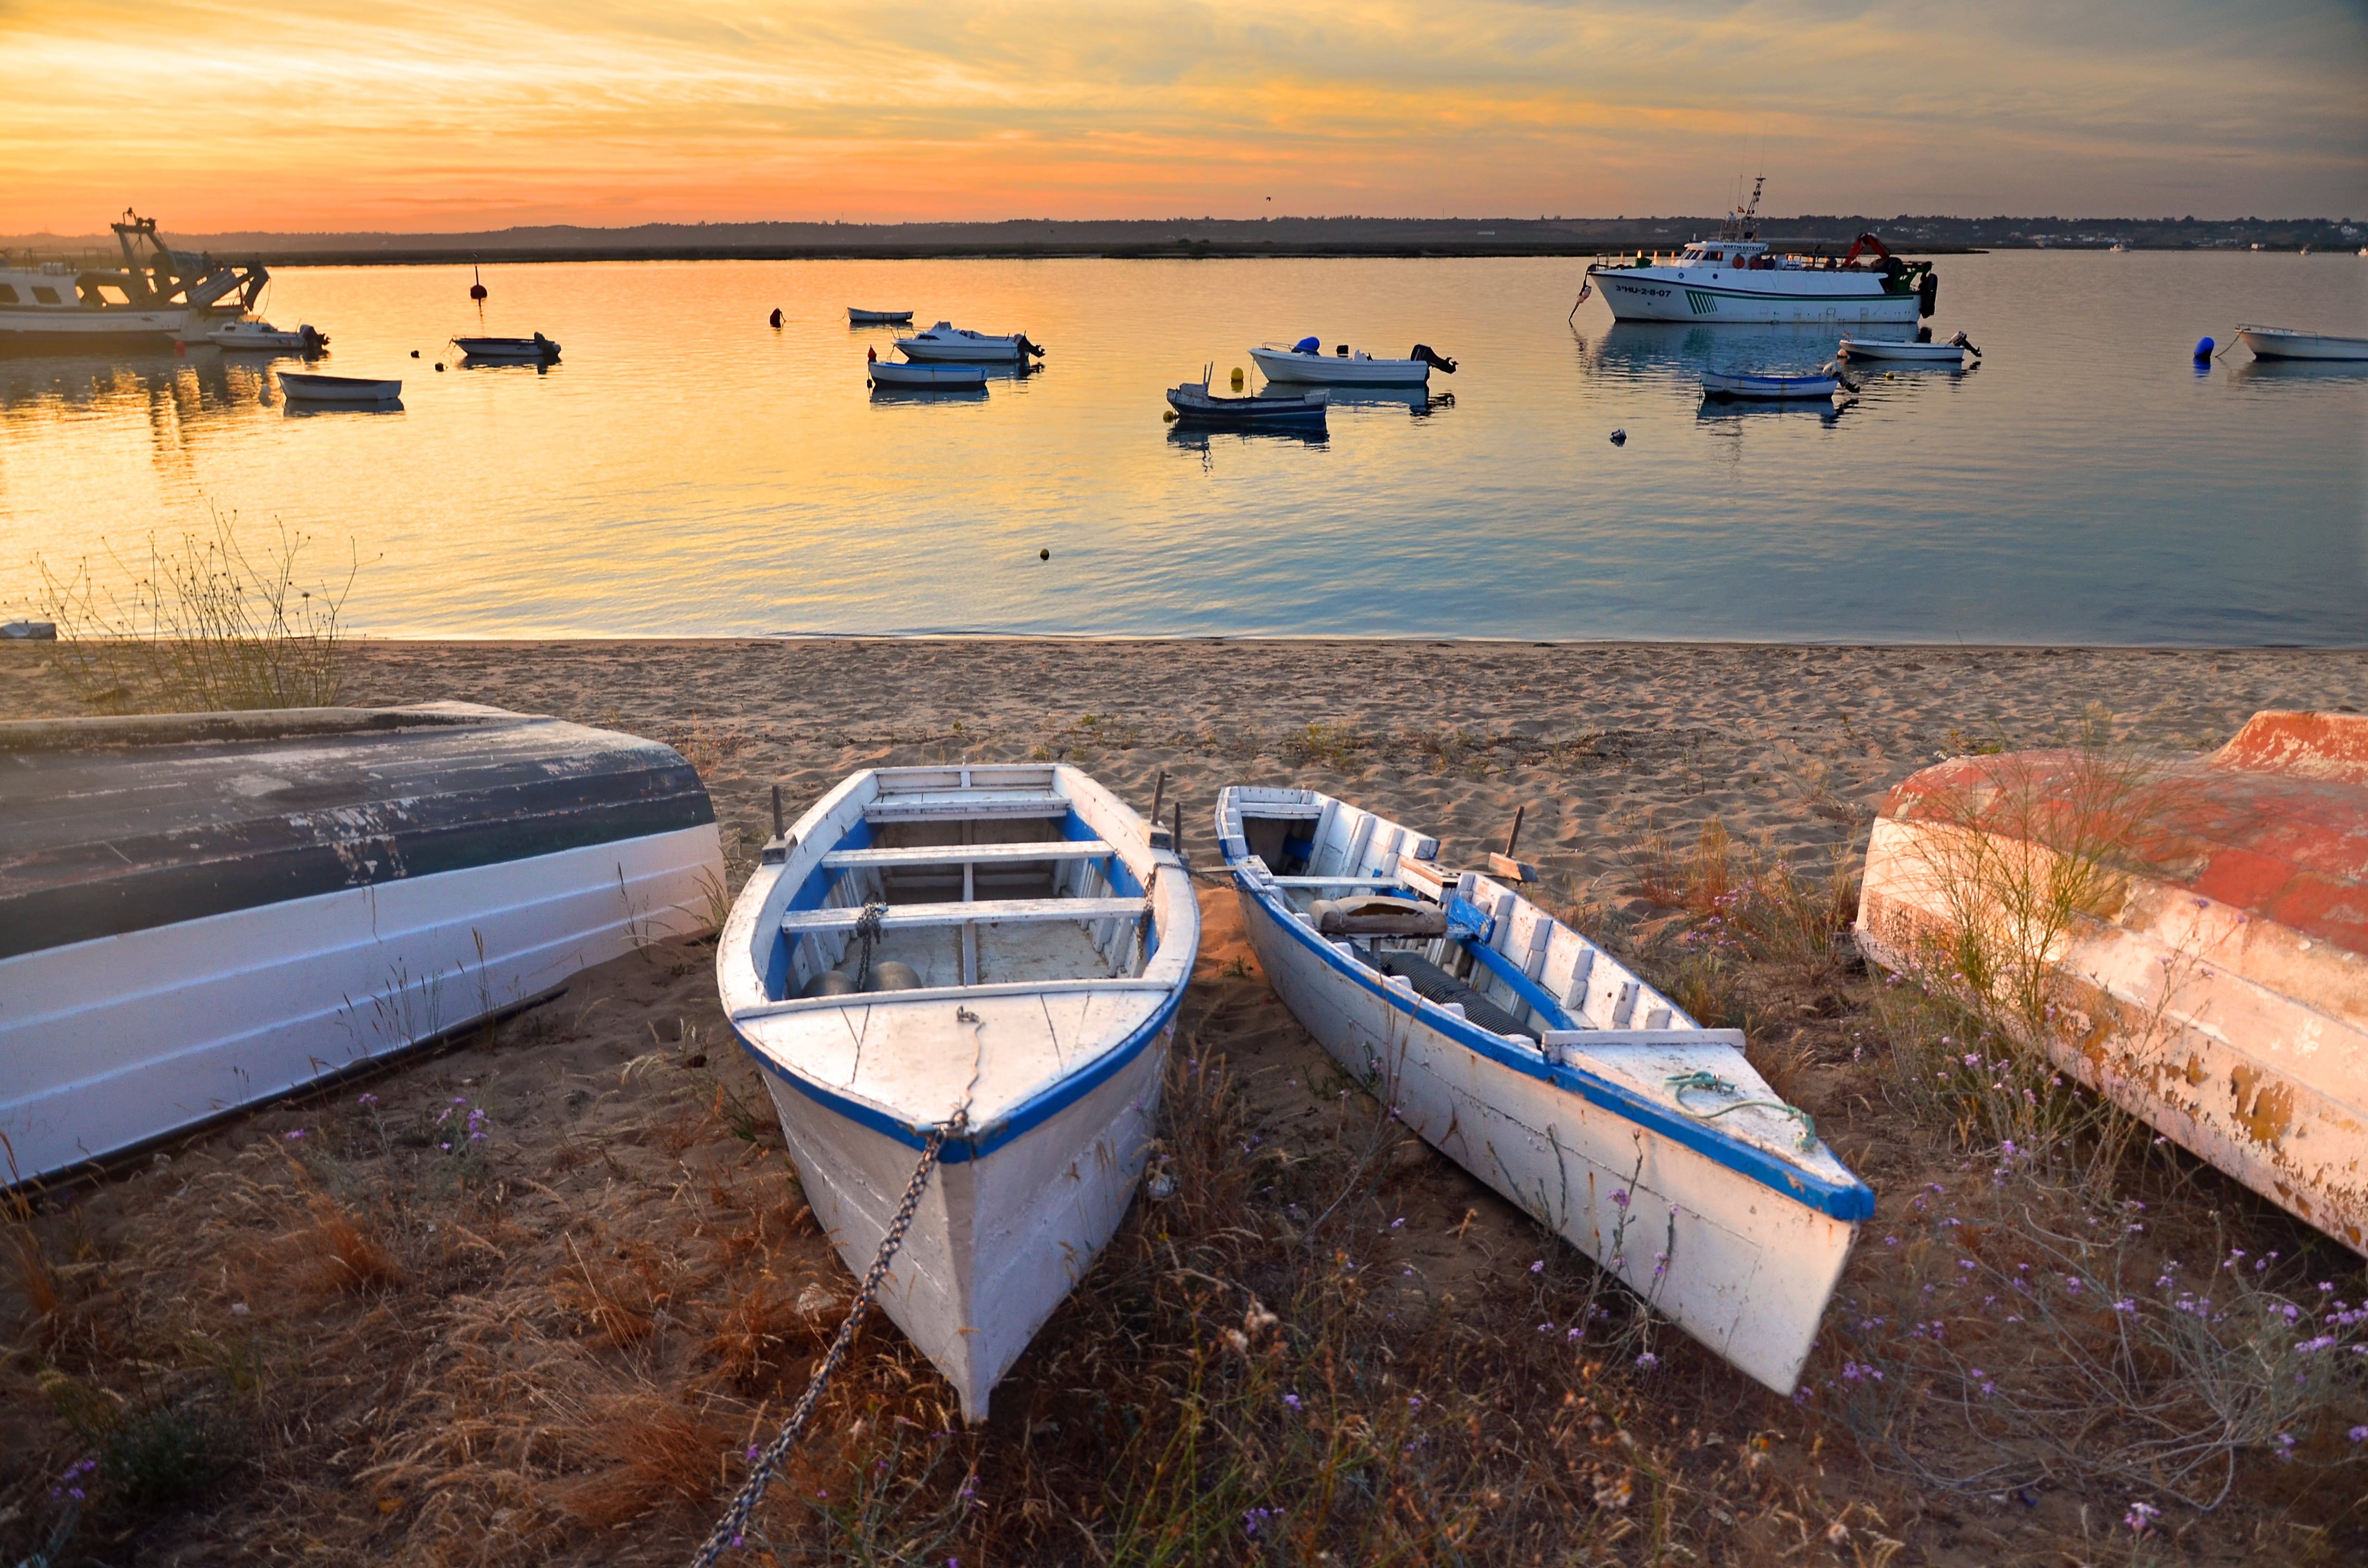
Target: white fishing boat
[2215, 981]
[249, 335]
[309, 387]
[1305, 362]
[1536, 1060]
[890, 373]
[946, 343]
[1721, 385]
[2285, 343]
[201, 911]
[993, 952]
[157, 295]
[537, 348]
[1736, 277]
[1952, 352]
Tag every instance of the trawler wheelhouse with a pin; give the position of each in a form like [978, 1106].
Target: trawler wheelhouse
[155, 295]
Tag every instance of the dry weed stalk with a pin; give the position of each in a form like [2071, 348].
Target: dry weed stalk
[204, 625]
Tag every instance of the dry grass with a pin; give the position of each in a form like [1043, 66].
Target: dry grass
[1324, 1345]
[208, 622]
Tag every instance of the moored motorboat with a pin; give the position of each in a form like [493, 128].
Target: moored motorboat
[1721, 385]
[1305, 362]
[995, 954]
[252, 335]
[1736, 277]
[2285, 343]
[2209, 978]
[946, 343]
[1536, 1060]
[1194, 403]
[201, 911]
[1952, 352]
[859, 317]
[890, 373]
[513, 349]
[308, 387]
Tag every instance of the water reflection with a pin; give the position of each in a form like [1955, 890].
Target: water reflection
[1202, 439]
[309, 407]
[2292, 373]
[882, 396]
[1662, 350]
[1419, 401]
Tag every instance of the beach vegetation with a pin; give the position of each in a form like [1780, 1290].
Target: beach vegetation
[219, 618]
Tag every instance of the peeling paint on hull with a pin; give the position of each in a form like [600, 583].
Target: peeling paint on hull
[2223, 999]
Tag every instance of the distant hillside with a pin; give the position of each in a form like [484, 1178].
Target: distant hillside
[1219, 236]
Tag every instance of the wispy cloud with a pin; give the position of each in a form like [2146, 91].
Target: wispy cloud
[427, 114]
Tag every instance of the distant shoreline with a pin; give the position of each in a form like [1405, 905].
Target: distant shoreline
[534, 255]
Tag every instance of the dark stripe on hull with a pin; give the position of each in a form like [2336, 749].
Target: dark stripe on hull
[146, 823]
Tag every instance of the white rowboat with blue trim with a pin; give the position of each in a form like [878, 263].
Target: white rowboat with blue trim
[998, 952]
[1536, 1060]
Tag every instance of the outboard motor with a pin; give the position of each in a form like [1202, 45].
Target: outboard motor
[1422, 351]
[1926, 292]
[1020, 338]
[313, 341]
[1308, 346]
[1961, 341]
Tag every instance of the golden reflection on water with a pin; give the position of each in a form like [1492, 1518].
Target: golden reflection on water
[688, 469]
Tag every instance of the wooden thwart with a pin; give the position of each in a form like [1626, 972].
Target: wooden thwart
[967, 854]
[976, 806]
[984, 911]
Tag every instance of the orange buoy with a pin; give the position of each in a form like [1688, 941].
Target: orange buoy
[477, 288]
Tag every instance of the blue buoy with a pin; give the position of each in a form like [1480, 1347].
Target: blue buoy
[2204, 348]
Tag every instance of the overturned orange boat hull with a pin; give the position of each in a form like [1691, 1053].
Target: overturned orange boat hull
[2215, 974]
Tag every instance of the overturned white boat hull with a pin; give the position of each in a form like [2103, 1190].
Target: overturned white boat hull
[1032, 1034]
[1727, 1227]
[460, 877]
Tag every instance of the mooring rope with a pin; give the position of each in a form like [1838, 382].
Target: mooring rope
[733, 1525]
[1680, 1081]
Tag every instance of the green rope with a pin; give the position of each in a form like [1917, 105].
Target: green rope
[1680, 1081]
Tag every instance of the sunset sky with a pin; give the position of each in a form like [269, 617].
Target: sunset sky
[423, 115]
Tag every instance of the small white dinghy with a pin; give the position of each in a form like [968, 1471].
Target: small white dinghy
[261, 337]
[1305, 362]
[1720, 386]
[307, 387]
[994, 951]
[525, 349]
[1533, 1059]
[858, 316]
[1952, 352]
[890, 373]
[201, 911]
[948, 344]
[2284, 343]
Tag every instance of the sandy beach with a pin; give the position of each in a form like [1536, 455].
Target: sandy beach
[626, 1287]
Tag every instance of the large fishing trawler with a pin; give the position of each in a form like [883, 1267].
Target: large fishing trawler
[158, 295]
[1737, 278]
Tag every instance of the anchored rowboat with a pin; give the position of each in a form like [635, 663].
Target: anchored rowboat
[1537, 1062]
[1952, 352]
[535, 347]
[1767, 388]
[998, 952]
[201, 911]
[1194, 404]
[889, 373]
[307, 387]
[2284, 343]
[859, 317]
[2215, 986]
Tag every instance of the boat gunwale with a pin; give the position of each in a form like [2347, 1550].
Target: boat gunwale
[1851, 1202]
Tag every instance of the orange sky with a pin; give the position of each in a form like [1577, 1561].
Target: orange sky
[422, 115]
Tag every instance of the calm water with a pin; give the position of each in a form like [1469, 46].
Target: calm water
[688, 469]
